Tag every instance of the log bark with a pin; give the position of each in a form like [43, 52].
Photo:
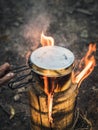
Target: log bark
[63, 111]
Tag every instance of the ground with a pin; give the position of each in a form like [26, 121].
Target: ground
[72, 23]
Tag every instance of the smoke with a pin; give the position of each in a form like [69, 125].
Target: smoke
[38, 20]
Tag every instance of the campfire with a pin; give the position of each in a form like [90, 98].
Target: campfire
[57, 79]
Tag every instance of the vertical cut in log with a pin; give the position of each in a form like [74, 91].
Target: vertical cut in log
[63, 111]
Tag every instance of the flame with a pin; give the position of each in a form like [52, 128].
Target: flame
[84, 69]
[46, 85]
[49, 90]
[86, 65]
[46, 41]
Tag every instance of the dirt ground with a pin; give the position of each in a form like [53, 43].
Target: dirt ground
[72, 23]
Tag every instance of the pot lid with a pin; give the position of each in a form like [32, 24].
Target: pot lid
[53, 58]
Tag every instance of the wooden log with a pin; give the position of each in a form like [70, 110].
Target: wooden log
[39, 110]
[63, 108]
[52, 92]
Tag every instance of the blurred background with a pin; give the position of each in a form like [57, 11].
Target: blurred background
[72, 23]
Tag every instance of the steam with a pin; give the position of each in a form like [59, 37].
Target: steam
[38, 20]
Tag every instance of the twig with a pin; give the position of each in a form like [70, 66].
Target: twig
[77, 117]
[88, 121]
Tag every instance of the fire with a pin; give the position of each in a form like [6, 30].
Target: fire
[86, 65]
[46, 41]
[84, 69]
[46, 85]
[49, 90]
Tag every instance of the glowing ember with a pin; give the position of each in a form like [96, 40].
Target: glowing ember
[86, 66]
[50, 102]
[46, 41]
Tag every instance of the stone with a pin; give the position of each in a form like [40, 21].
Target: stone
[16, 24]
[16, 97]
[84, 34]
[20, 19]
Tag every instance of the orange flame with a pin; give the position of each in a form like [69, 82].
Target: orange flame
[46, 41]
[49, 90]
[46, 85]
[86, 66]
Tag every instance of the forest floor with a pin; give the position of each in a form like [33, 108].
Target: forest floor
[72, 23]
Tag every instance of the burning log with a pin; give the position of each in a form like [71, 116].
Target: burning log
[54, 84]
[86, 65]
[63, 111]
[53, 95]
